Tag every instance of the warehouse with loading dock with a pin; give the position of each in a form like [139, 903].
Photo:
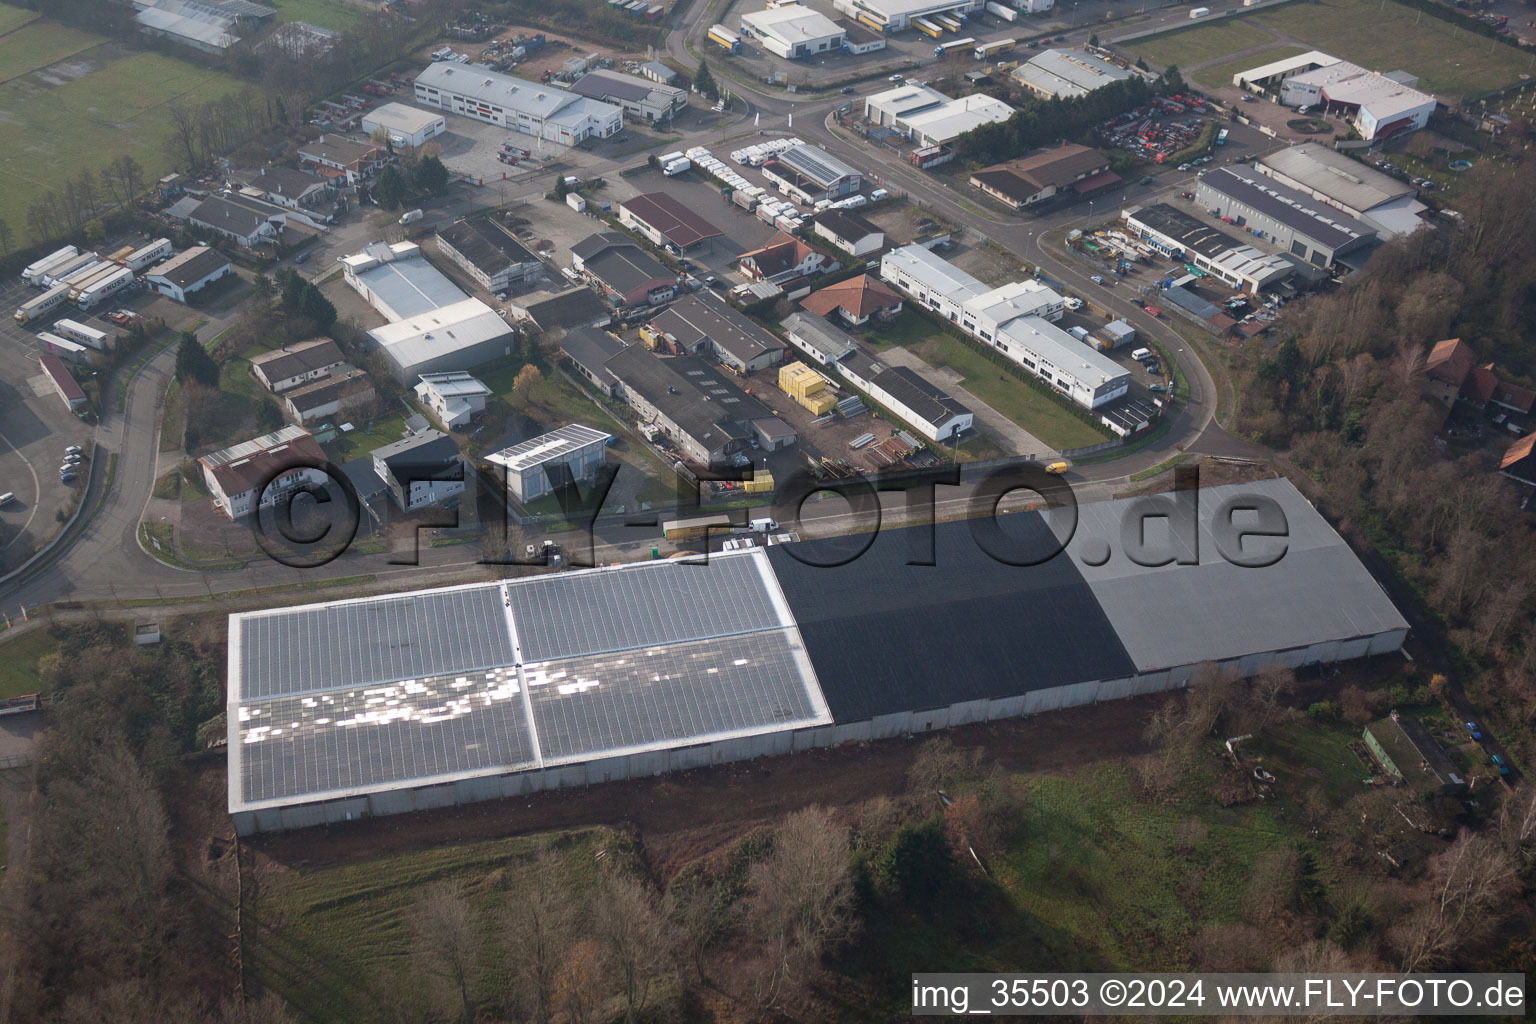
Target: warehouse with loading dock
[1298, 223]
[583, 677]
[792, 31]
[543, 111]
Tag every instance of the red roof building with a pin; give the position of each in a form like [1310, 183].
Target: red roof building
[785, 258]
[1519, 462]
[63, 382]
[854, 300]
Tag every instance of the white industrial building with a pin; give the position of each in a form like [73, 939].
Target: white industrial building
[913, 400]
[188, 272]
[1230, 260]
[1303, 226]
[895, 15]
[930, 118]
[256, 474]
[500, 689]
[546, 463]
[1377, 105]
[811, 174]
[407, 126]
[793, 31]
[434, 327]
[543, 111]
[1063, 74]
[452, 398]
[1390, 206]
[1015, 319]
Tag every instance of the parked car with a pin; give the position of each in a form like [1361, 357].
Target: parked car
[68, 478]
[1477, 733]
[1157, 389]
[1154, 311]
[1072, 302]
[1185, 167]
[1140, 302]
[847, 90]
[74, 449]
[1147, 180]
[896, 78]
[302, 257]
[1498, 762]
[1096, 279]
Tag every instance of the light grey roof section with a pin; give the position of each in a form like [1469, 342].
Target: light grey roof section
[694, 692]
[644, 604]
[1341, 178]
[411, 287]
[368, 736]
[356, 643]
[556, 444]
[1178, 615]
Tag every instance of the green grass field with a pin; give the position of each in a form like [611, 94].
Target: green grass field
[331, 14]
[1380, 35]
[18, 660]
[101, 102]
[1191, 46]
[1218, 75]
[1012, 397]
[12, 18]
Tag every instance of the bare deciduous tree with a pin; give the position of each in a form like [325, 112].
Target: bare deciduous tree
[446, 945]
[1468, 891]
[634, 937]
[539, 925]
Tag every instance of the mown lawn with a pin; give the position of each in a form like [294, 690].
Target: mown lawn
[1190, 46]
[1387, 36]
[334, 941]
[12, 18]
[19, 656]
[1221, 74]
[366, 437]
[121, 105]
[332, 14]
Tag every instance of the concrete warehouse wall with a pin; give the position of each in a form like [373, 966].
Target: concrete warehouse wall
[613, 769]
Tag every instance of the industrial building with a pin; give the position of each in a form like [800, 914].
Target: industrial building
[849, 232]
[859, 38]
[895, 15]
[909, 397]
[188, 272]
[792, 31]
[883, 109]
[1063, 74]
[810, 175]
[816, 336]
[273, 464]
[1046, 173]
[299, 363]
[695, 404]
[1273, 74]
[583, 677]
[1377, 105]
[1380, 200]
[666, 222]
[551, 461]
[434, 327]
[573, 308]
[589, 349]
[453, 399]
[929, 118]
[420, 469]
[785, 258]
[699, 323]
[206, 27]
[1179, 236]
[1016, 319]
[626, 273]
[484, 248]
[543, 111]
[62, 381]
[407, 126]
[640, 99]
[855, 301]
[1298, 223]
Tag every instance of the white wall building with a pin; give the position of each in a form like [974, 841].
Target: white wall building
[453, 398]
[407, 126]
[261, 472]
[543, 111]
[545, 463]
[188, 272]
[896, 15]
[793, 31]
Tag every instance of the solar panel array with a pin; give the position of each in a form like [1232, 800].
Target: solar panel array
[321, 647]
[664, 694]
[593, 613]
[391, 692]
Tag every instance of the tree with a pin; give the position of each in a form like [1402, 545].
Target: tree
[525, 384]
[561, 188]
[917, 865]
[802, 898]
[634, 937]
[1093, 40]
[184, 131]
[705, 83]
[7, 238]
[391, 187]
[315, 306]
[194, 364]
[446, 946]
[539, 925]
[431, 176]
[380, 137]
[1141, 63]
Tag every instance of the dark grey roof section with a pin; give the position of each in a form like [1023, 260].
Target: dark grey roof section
[815, 330]
[619, 262]
[886, 636]
[429, 455]
[190, 271]
[574, 306]
[695, 318]
[922, 398]
[359, 473]
[319, 647]
[640, 606]
[299, 359]
[1188, 300]
[696, 395]
[848, 226]
[1183, 615]
[1189, 232]
[1301, 213]
[612, 87]
[375, 735]
[590, 347]
[486, 244]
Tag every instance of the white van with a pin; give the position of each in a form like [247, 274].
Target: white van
[7, 498]
[1141, 353]
[764, 525]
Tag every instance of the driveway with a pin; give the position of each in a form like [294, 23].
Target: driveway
[1013, 437]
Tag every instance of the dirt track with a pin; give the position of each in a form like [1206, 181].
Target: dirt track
[685, 815]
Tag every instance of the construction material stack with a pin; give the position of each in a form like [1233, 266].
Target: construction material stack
[807, 387]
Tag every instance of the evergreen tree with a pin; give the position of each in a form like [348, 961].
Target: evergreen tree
[705, 83]
[391, 187]
[431, 176]
[317, 307]
[194, 364]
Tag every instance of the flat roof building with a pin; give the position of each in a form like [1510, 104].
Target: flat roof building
[1306, 228]
[406, 125]
[811, 174]
[564, 679]
[952, 118]
[1045, 173]
[483, 247]
[1064, 74]
[547, 463]
[420, 469]
[883, 109]
[792, 31]
[666, 221]
[1180, 236]
[453, 399]
[1380, 200]
[1377, 105]
[896, 15]
[543, 111]
[640, 98]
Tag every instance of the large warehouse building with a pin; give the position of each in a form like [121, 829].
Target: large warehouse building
[1303, 226]
[793, 31]
[383, 705]
[543, 111]
[1390, 206]
[1063, 74]
[895, 15]
[1378, 105]
[1177, 235]
[407, 126]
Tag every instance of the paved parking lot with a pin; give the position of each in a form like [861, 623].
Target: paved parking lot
[35, 428]
[742, 232]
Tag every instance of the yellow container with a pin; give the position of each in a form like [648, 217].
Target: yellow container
[761, 482]
[801, 382]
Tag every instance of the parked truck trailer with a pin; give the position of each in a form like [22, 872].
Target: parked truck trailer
[43, 304]
[148, 255]
[90, 336]
[104, 289]
[34, 271]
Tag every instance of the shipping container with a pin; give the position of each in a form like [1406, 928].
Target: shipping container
[1006, 13]
[947, 21]
[954, 46]
[695, 529]
[79, 283]
[726, 38]
[104, 289]
[927, 28]
[52, 277]
[986, 50]
[69, 351]
[43, 304]
[99, 340]
[150, 254]
[34, 270]
[870, 23]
